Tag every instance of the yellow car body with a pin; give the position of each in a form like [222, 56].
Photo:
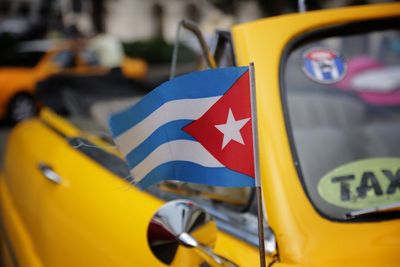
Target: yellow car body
[304, 237]
[95, 218]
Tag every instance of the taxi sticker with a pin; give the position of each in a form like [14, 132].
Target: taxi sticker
[323, 65]
[362, 184]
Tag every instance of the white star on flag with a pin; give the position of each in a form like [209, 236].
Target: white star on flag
[231, 129]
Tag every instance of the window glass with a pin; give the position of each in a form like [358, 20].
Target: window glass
[343, 99]
[65, 59]
[90, 57]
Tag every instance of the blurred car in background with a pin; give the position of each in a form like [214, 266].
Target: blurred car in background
[37, 60]
[71, 95]
[32, 62]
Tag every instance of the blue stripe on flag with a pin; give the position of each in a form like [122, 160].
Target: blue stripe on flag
[168, 132]
[201, 84]
[194, 173]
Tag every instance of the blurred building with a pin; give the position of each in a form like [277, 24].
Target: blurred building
[25, 19]
[131, 20]
[136, 19]
[30, 9]
[125, 19]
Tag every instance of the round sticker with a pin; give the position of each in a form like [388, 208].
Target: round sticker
[362, 184]
[323, 65]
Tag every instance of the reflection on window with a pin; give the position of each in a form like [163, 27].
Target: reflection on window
[343, 96]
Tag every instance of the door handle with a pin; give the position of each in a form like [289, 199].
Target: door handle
[49, 173]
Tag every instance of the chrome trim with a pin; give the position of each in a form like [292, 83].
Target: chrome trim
[181, 229]
[240, 225]
[271, 248]
[49, 173]
[357, 213]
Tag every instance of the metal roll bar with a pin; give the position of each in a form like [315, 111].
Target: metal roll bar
[193, 28]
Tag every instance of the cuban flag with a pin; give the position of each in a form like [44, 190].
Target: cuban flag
[324, 65]
[195, 128]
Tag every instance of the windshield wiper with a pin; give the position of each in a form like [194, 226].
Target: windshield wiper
[360, 213]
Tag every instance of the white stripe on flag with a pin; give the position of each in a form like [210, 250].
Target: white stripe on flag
[181, 109]
[179, 150]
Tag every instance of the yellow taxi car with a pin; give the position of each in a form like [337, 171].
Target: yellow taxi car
[36, 60]
[329, 158]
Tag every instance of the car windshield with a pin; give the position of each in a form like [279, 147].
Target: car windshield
[88, 101]
[343, 100]
[91, 113]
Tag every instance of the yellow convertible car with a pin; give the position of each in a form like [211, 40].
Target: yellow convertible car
[329, 130]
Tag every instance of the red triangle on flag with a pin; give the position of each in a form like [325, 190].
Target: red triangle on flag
[225, 130]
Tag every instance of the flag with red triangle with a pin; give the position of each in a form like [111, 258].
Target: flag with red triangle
[195, 128]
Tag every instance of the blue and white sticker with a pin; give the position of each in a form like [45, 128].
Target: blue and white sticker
[323, 65]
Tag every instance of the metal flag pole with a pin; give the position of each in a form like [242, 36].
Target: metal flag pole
[257, 165]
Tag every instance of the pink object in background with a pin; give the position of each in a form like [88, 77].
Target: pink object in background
[357, 66]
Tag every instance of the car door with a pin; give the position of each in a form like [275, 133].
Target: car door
[92, 217]
[21, 190]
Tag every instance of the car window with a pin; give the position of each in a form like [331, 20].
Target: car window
[65, 59]
[90, 58]
[343, 99]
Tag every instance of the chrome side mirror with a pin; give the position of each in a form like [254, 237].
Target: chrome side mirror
[182, 233]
